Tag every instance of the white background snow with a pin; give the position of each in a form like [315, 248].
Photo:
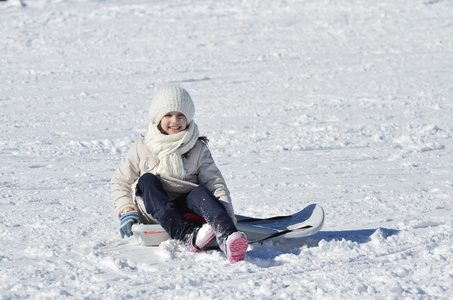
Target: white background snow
[347, 104]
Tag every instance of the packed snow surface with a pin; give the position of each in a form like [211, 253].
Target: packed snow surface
[347, 104]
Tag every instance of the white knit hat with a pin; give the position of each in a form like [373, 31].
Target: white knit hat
[170, 98]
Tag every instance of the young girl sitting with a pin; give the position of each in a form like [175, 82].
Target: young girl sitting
[171, 174]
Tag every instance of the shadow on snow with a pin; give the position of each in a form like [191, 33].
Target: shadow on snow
[264, 254]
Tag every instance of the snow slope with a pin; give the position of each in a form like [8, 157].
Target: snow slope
[347, 104]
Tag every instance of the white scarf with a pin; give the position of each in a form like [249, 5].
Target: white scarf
[169, 148]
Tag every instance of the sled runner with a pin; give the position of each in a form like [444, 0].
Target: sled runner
[304, 223]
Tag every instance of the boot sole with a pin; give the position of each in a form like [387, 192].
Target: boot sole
[237, 248]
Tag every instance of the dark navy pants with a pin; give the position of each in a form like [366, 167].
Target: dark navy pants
[170, 213]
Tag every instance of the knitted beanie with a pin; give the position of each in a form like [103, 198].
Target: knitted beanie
[170, 98]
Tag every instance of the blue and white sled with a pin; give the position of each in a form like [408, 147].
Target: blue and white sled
[304, 223]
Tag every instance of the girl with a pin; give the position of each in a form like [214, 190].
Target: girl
[173, 174]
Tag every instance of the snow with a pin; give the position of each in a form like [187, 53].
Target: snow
[347, 104]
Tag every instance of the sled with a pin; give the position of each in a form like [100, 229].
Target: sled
[304, 223]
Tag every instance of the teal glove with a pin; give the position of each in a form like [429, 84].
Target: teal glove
[126, 222]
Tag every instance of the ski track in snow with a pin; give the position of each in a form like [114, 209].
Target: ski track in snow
[347, 104]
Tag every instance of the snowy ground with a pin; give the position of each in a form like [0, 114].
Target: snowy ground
[347, 104]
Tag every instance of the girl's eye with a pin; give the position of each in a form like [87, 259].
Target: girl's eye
[177, 116]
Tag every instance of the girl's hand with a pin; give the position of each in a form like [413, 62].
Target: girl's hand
[126, 222]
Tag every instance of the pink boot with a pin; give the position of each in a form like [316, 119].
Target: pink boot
[200, 238]
[235, 247]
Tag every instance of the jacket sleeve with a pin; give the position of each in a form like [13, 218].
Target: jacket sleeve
[211, 177]
[124, 177]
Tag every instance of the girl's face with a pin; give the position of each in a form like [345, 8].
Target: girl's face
[173, 122]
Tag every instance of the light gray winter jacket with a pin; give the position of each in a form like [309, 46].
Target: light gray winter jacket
[200, 169]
